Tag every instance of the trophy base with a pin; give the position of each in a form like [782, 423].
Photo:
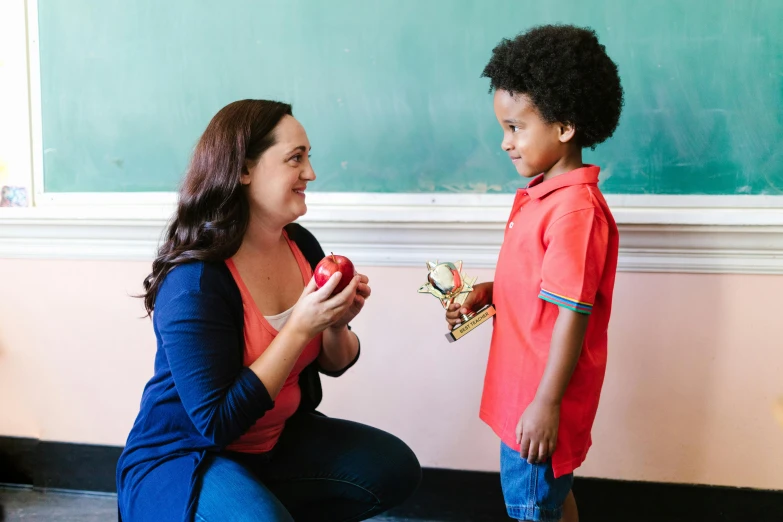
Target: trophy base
[467, 327]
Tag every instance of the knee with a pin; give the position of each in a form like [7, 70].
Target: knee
[402, 472]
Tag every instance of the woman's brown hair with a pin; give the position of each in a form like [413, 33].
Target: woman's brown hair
[213, 211]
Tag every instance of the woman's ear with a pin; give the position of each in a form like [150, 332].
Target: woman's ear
[567, 132]
[244, 178]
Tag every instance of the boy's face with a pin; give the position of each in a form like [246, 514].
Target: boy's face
[533, 145]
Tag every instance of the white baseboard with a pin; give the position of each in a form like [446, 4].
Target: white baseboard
[657, 234]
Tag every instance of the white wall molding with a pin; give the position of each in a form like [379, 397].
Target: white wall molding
[658, 233]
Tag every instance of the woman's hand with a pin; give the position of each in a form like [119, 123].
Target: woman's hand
[362, 294]
[316, 310]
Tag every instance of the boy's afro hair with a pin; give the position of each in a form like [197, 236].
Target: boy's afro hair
[568, 76]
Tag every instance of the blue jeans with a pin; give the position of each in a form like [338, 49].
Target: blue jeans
[321, 469]
[531, 491]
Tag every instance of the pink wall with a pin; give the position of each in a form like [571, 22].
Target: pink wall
[696, 362]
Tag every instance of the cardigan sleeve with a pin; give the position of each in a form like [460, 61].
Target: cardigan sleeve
[347, 367]
[201, 342]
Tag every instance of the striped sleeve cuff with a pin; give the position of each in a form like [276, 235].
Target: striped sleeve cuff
[566, 302]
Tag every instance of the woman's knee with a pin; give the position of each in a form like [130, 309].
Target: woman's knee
[372, 459]
[402, 472]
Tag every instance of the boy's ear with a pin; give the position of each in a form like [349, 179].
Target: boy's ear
[567, 132]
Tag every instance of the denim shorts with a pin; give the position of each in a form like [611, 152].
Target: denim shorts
[531, 490]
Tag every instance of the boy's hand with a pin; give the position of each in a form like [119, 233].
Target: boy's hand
[476, 300]
[537, 431]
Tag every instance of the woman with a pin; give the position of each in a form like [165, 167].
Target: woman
[228, 429]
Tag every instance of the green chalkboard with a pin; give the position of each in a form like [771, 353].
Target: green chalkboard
[390, 94]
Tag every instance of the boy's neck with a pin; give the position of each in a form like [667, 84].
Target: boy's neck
[572, 160]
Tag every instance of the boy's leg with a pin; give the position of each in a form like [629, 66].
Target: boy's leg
[570, 513]
[531, 491]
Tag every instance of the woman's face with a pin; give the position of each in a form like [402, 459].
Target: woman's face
[276, 182]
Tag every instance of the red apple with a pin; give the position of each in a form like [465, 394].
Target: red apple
[331, 264]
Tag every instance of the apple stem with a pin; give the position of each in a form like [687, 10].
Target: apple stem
[333, 259]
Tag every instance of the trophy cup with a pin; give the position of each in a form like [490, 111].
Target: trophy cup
[447, 282]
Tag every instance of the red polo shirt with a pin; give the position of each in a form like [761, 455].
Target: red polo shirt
[559, 250]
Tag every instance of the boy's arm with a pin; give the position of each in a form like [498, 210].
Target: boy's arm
[577, 245]
[537, 428]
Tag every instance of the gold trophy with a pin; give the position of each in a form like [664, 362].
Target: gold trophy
[447, 282]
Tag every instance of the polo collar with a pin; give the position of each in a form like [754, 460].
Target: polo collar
[587, 175]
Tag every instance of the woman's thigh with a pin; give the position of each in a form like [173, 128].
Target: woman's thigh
[231, 491]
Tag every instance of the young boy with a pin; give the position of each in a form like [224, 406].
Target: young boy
[555, 92]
